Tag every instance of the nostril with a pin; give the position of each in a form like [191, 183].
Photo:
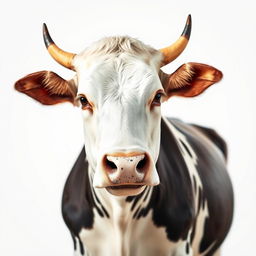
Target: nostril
[111, 165]
[142, 164]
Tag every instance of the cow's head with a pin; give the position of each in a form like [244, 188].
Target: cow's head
[120, 87]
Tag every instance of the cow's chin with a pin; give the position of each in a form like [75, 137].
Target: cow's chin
[125, 190]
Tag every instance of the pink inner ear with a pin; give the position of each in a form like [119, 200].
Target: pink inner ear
[192, 79]
[46, 87]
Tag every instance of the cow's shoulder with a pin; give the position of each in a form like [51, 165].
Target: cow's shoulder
[214, 137]
[77, 199]
[210, 151]
[200, 133]
[172, 201]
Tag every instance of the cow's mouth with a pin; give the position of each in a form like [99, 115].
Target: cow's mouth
[126, 187]
[125, 190]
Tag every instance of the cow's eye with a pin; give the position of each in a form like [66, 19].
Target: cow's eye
[85, 103]
[157, 100]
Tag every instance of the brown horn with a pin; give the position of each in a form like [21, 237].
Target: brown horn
[62, 57]
[171, 52]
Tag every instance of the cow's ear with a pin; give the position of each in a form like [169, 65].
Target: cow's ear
[47, 87]
[190, 79]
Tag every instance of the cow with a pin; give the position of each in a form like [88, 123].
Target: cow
[143, 184]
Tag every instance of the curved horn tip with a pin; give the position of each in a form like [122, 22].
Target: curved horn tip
[187, 30]
[47, 38]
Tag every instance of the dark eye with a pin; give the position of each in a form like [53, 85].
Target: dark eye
[85, 103]
[157, 99]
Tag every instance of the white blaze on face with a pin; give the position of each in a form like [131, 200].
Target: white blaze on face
[123, 120]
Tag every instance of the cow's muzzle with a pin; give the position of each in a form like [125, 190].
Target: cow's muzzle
[126, 173]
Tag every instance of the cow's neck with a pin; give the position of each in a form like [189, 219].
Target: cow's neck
[120, 208]
[120, 216]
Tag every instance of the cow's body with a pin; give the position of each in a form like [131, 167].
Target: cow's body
[147, 186]
[189, 213]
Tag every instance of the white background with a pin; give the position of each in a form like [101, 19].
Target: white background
[40, 144]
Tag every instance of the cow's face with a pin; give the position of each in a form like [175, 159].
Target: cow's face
[119, 87]
[120, 98]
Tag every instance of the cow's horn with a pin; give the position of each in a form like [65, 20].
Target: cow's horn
[62, 57]
[171, 52]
